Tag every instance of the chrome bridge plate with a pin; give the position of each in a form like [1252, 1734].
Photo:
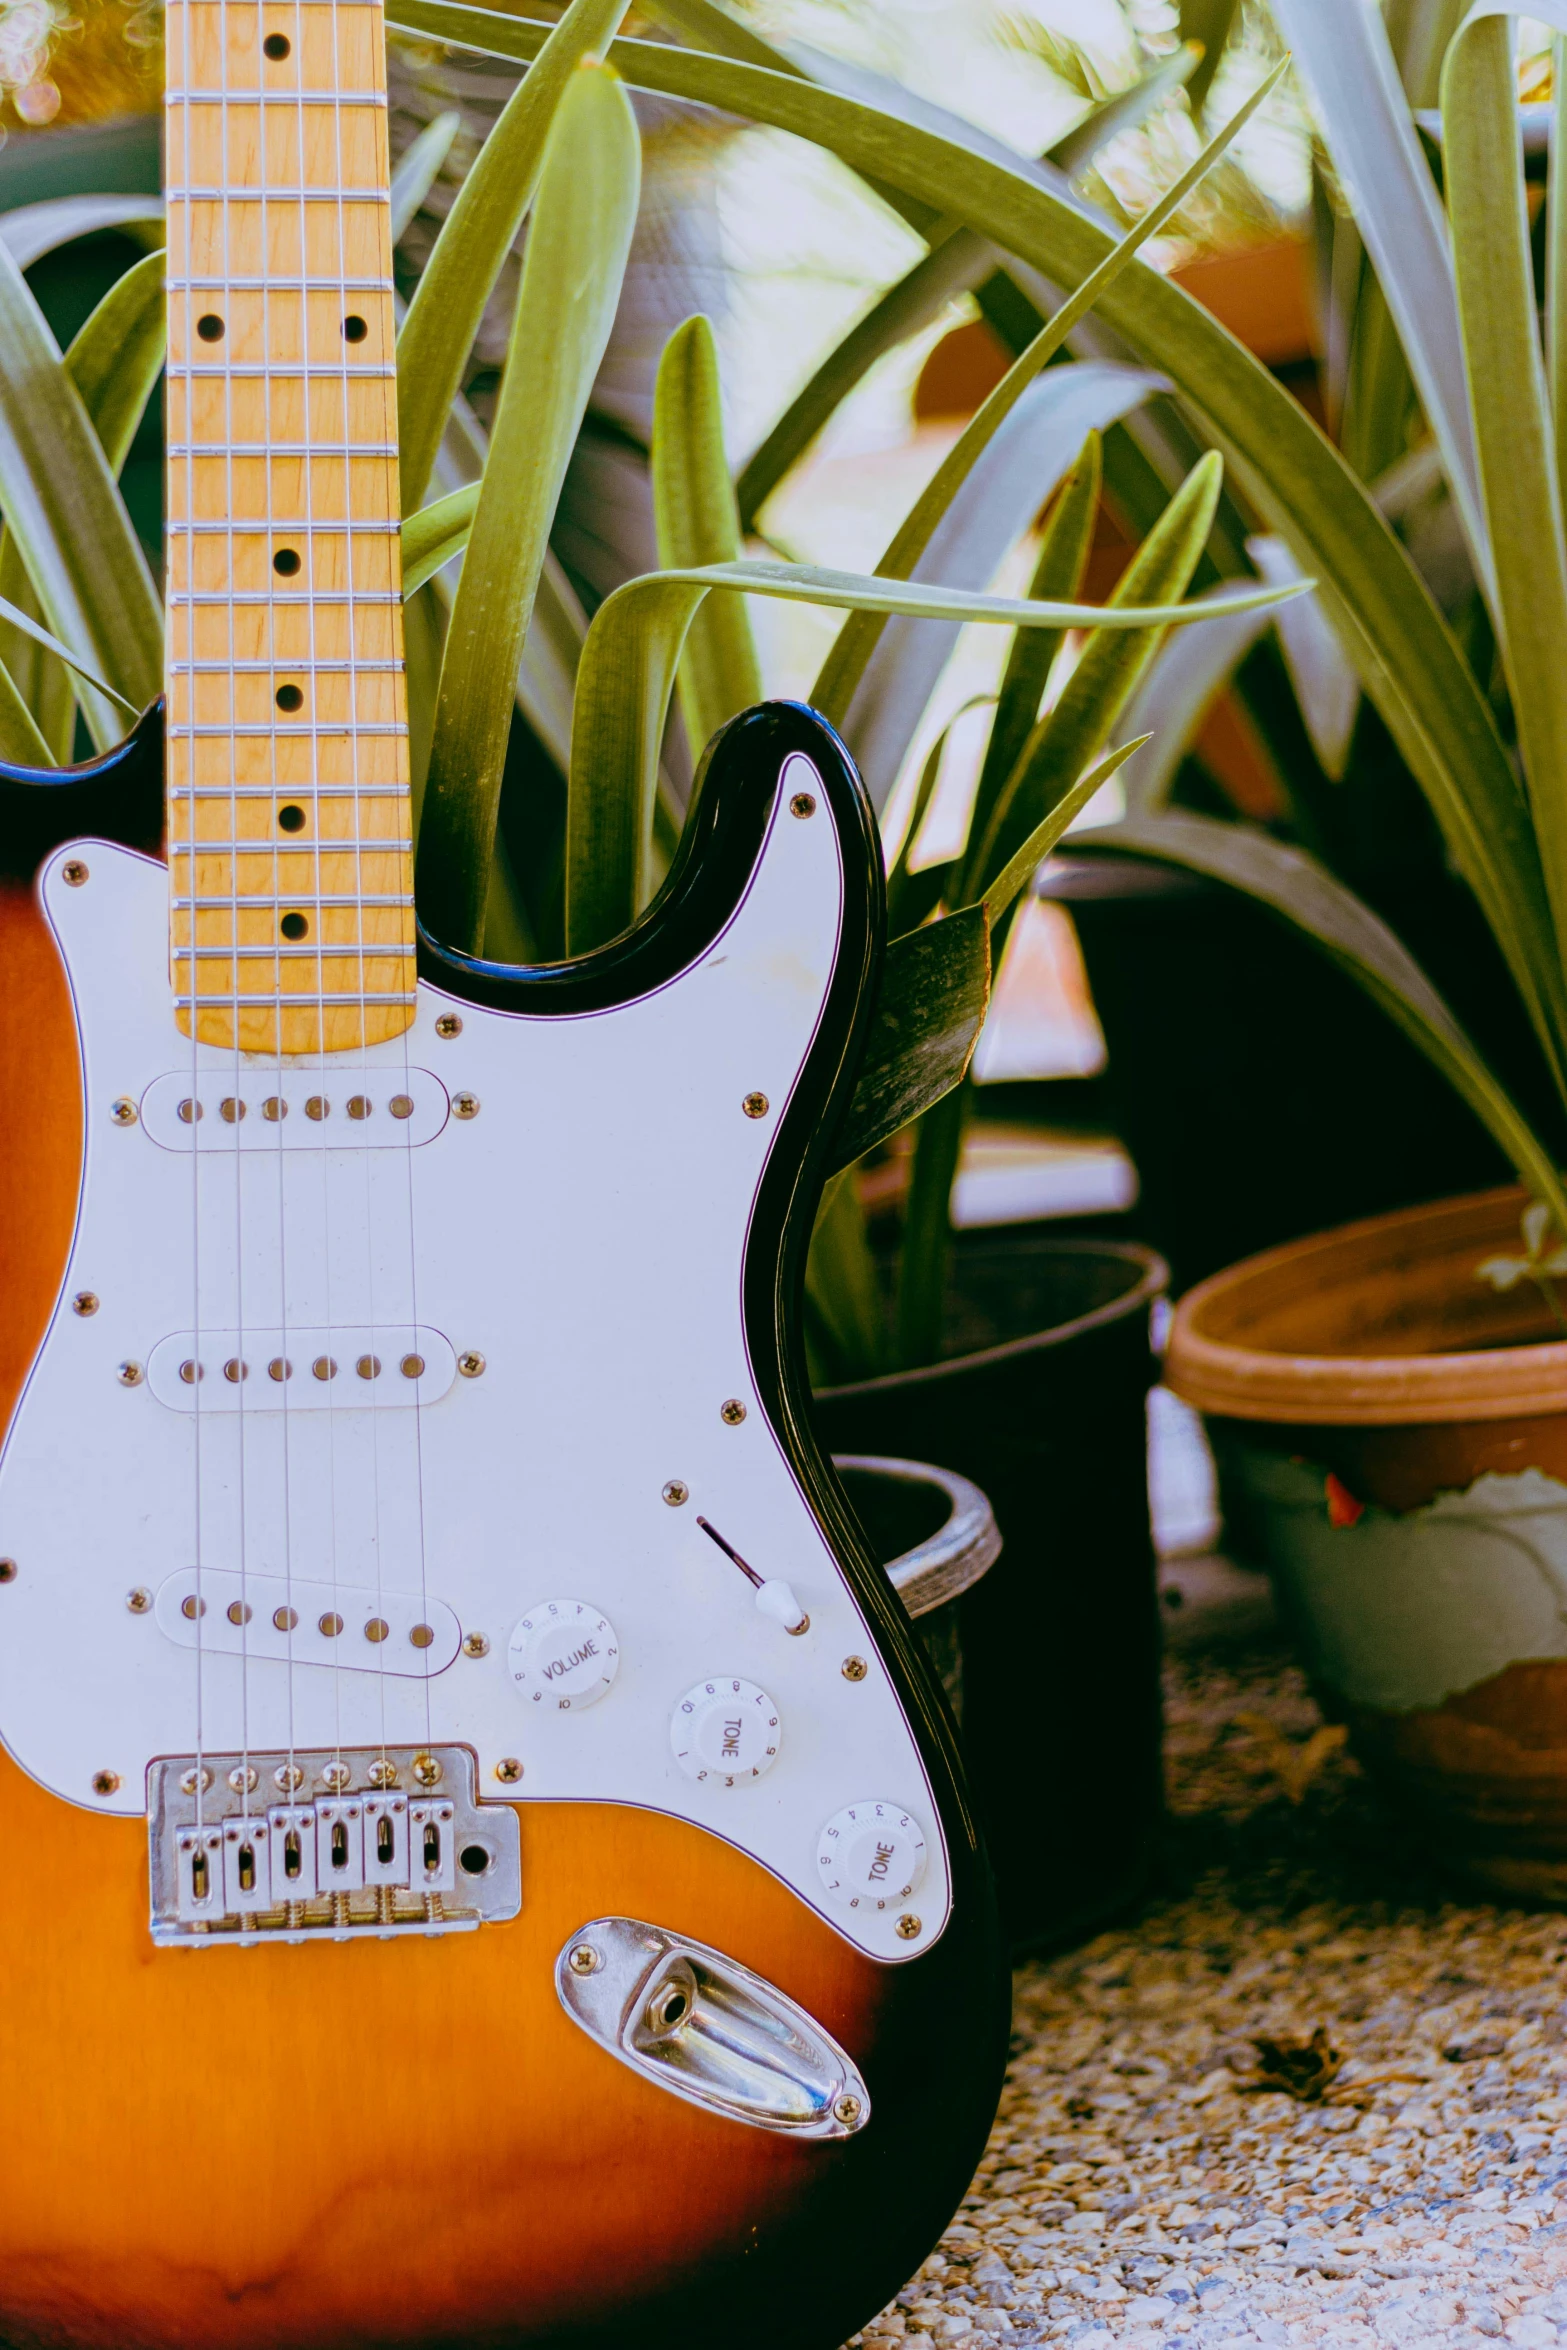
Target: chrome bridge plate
[326, 1846]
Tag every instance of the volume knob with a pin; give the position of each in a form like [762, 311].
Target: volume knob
[870, 1855]
[563, 1655]
[725, 1732]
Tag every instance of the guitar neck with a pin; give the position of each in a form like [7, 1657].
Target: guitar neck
[289, 836]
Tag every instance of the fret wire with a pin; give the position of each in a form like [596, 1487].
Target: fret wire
[257, 526]
[284, 370]
[255, 191]
[352, 950]
[282, 449]
[295, 1003]
[279, 285]
[265, 668]
[293, 847]
[242, 732]
[272, 791]
[334, 902]
[274, 98]
[253, 596]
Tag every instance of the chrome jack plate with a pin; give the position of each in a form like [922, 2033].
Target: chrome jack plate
[326, 1847]
[707, 2029]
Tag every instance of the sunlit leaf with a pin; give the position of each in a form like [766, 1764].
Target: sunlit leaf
[694, 513]
[435, 534]
[418, 168]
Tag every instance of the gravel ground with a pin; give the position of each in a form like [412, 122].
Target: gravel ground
[1309, 2096]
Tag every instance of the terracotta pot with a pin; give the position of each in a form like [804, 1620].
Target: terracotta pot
[1395, 1430]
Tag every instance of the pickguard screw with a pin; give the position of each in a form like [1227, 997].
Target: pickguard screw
[244, 1778]
[382, 1773]
[855, 1668]
[103, 1782]
[908, 1926]
[584, 1960]
[465, 1105]
[471, 1364]
[7, 1570]
[732, 1412]
[448, 1025]
[73, 873]
[755, 1105]
[129, 1374]
[475, 1644]
[139, 1600]
[802, 804]
[846, 2110]
[426, 1770]
[675, 1493]
[84, 1302]
[508, 1770]
[122, 1111]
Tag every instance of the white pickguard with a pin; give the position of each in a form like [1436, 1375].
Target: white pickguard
[584, 1232]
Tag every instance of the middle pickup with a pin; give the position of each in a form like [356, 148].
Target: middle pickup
[293, 1622]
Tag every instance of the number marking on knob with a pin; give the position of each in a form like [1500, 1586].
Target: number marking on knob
[870, 1855]
[725, 1732]
[563, 1655]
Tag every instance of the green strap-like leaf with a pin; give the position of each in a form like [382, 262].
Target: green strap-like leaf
[1515, 438]
[71, 529]
[1107, 675]
[694, 513]
[1556, 259]
[15, 617]
[955, 264]
[419, 167]
[20, 740]
[435, 534]
[1402, 648]
[1063, 559]
[856, 641]
[114, 361]
[1308, 897]
[1211, 23]
[627, 673]
[1025, 862]
[576, 257]
[930, 1008]
[476, 236]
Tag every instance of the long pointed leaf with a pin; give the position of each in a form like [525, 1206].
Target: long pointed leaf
[435, 534]
[20, 740]
[476, 236]
[1514, 436]
[1407, 658]
[852, 649]
[419, 167]
[1108, 673]
[15, 617]
[65, 513]
[627, 674]
[1026, 861]
[694, 513]
[930, 1008]
[576, 257]
[1314, 902]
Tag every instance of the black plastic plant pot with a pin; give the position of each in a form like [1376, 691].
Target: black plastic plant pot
[1040, 1399]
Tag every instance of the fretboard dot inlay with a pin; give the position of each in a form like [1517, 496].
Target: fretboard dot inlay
[289, 697]
[291, 818]
[354, 329]
[210, 327]
[285, 562]
[276, 46]
[295, 926]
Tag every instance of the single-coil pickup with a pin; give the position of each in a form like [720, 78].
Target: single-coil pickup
[295, 1110]
[268, 1616]
[301, 1370]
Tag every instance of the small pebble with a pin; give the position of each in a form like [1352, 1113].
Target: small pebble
[1144, 2191]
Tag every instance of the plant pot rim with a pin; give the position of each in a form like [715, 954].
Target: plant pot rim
[1216, 1362]
[1152, 1282]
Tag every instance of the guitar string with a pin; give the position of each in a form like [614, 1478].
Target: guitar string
[187, 129]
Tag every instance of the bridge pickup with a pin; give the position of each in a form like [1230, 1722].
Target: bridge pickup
[359, 1847]
[265, 1109]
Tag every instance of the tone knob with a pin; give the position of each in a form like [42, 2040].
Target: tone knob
[726, 1732]
[563, 1655]
[870, 1855]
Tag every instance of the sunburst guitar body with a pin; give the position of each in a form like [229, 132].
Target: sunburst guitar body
[487, 1862]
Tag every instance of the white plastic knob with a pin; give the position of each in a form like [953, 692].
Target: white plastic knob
[776, 1599]
[870, 1855]
[563, 1655]
[725, 1732]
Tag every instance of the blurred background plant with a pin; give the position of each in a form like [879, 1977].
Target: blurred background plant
[861, 317]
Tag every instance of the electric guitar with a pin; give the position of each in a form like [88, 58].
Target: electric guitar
[488, 1862]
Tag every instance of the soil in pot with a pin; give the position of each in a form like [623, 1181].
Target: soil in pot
[1040, 1398]
[1396, 1429]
